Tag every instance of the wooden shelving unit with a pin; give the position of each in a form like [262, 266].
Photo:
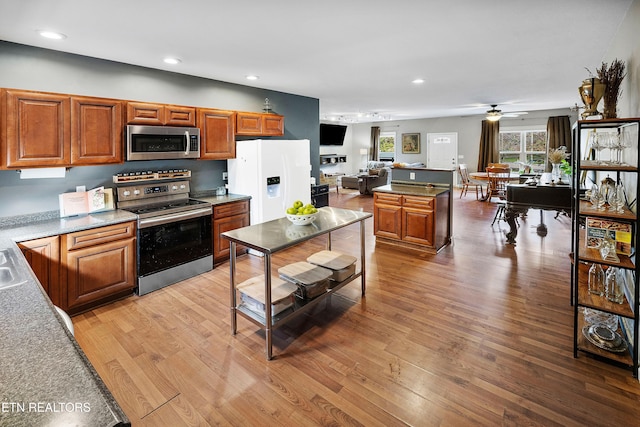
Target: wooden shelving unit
[627, 174]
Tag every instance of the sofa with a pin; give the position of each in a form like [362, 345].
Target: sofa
[366, 182]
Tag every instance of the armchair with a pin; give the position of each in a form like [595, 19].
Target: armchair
[371, 181]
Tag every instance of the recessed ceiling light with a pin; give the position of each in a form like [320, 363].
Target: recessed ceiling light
[417, 81]
[172, 61]
[252, 77]
[51, 35]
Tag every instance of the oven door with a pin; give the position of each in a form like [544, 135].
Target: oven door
[168, 241]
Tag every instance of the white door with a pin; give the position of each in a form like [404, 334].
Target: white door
[442, 151]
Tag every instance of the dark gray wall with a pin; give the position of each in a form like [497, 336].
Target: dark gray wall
[25, 67]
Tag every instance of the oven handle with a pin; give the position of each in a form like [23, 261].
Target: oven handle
[186, 133]
[165, 219]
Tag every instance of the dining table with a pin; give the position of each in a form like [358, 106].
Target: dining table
[484, 176]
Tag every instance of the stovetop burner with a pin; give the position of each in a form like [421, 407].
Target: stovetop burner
[155, 210]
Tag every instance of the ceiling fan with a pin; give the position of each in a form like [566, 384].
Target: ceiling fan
[493, 115]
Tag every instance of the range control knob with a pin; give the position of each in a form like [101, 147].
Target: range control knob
[126, 193]
[136, 192]
[174, 187]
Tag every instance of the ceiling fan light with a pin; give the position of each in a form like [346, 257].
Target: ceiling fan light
[494, 117]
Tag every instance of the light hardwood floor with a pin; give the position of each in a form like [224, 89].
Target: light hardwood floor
[480, 334]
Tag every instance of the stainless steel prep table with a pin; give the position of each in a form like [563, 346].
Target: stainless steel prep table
[279, 234]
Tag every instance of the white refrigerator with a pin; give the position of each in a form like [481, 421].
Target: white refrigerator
[275, 173]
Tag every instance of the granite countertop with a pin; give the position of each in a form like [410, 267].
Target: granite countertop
[46, 377]
[20, 229]
[411, 190]
[210, 196]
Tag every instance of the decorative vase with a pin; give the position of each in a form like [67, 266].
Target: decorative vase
[556, 173]
[591, 91]
[609, 108]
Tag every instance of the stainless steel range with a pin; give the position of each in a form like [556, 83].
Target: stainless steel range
[174, 231]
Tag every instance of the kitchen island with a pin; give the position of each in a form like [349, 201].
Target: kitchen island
[413, 215]
[279, 234]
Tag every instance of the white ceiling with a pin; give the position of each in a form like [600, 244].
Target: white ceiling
[355, 56]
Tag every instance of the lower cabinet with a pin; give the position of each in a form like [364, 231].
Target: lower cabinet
[228, 216]
[418, 221]
[97, 266]
[43, 255]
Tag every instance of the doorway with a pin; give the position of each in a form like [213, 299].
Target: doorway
[442, 151]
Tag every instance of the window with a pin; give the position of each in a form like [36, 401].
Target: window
[387, 146]
[523, 147]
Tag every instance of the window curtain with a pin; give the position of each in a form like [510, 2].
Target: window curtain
[558, 134]
[375, 140]
[488, 144]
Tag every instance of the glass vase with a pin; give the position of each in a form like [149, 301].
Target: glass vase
[556, 173]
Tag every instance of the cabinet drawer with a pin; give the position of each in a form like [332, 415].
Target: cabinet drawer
[229, 209]
[418, 202]
[110, 233]
[387, 199]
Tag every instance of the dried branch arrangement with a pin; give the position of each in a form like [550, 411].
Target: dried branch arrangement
[611, 75]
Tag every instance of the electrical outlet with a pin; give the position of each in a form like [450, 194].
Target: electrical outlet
[412, 175]
[225, 176]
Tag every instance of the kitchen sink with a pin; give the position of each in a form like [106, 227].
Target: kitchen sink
[9, 273]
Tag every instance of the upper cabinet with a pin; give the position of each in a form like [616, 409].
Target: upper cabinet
[142, 113]
[41, 129]
[37, 129]
[217, 134]
[96, 131]
[45, 129]
[259, 124]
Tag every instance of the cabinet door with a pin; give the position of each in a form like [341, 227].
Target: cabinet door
[97, 274]
[217, 134]
[142, 113]
[228, 216]
[249, 124]
[272, 125]
[417, 226]
[418, 220]
[96, 131]
[37, 129]
[175, 115]
[43, 255]
[221, 246]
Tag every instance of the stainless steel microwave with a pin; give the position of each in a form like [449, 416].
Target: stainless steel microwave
[162, 142]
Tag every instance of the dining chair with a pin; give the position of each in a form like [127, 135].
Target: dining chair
[467, 182]
[498, 178]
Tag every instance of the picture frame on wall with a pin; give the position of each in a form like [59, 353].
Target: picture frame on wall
[410, 143]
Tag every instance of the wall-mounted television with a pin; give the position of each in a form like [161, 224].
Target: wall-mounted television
[332, 134]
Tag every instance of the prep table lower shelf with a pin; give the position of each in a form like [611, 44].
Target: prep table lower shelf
[273, 236]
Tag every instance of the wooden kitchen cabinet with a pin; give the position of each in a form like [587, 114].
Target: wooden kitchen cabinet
[97, 266]
[143, 113]
[259, 124]
[387, 215]
[96, 131]
[37, 129]
[217, 134]
[43, 255]
[417, 221]
[226, 217]
[53, 130]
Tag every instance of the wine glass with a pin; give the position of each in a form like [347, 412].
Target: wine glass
[598, 144]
